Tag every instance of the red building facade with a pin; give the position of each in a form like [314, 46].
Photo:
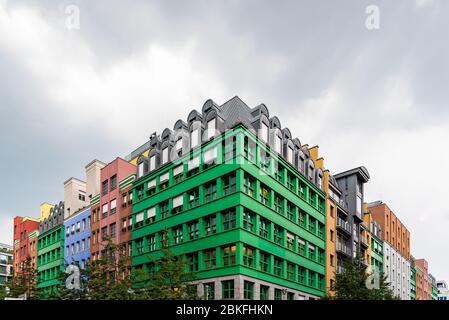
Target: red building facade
[23, 226]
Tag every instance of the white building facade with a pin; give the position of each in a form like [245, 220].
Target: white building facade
[397, 270]
[443, 291]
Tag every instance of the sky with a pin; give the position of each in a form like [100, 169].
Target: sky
[84, 80]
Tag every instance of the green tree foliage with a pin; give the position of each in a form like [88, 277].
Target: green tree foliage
[24, 281]
[351, 284]
[168, 277]
[108, 276]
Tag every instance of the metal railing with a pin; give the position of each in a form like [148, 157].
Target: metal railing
[344, 248]
[343, 224]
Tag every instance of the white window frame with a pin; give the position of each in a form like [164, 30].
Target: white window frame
[164, 177]
[140, 169]
[194, 138]
[193, 163]
[165, 155]
[151, 212]
[139, 217]
[178, 201]
[178, 170]
[152, 162]
[264, 132]
[210, 155]
[113, 204]
[277, 143]
[211, 127]
[103, 208]
[290, 155]
[151, 184]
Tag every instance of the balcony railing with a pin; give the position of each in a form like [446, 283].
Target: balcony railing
[343, 248]
[343, 225]
[364, 241]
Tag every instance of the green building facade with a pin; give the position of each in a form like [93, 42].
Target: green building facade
[377, 254]
[412, 282]
[50, 252]
[251, 224]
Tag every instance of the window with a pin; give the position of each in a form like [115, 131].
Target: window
[194, 197]
[193, 230]
[265, 160]
[230, 148]
[139, 220]
[193, 261]
[264, 132]
[290, 296]
[279, 172]
[178, 175]
[83, 245]
[277, 267]
[164, 209]
[193, 166]
[278, 203]
[277, 143]
[248, 220]
[67, 232]
[278, 235]
[229, 184]
[104, 211]
[312, 252]
[178, 235]
[210, 191]
[151, 240]
[210, 156]
[229, 218]
[104, 187]
[291, 214]
[302, 189]
[264, 292]
[112, 229]
[312, 224]
[140, 169]
[277, 294]
[290, 155]
[210, 259]
[290, 241]
[165, 155]
[163, 181]
[311, 278]
[113, 206]
[228, 289]
[104, 234]
[290, 271]
[302, 219]
[249, 148]
[248, 185]
[211, 128]
[177, 204]
[77, 247]
[113, 182]
[151, 215]
[84, 224]
[263, 228]
[248, 290]
[229, 255]
[264, 194]
[82, 196]
[209, 291]
[210, 225]
[194, 138]
[248, 256]
[139, 246]
[152, 162]
[301, 247]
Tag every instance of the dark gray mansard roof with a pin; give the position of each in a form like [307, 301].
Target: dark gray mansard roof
[228, 115]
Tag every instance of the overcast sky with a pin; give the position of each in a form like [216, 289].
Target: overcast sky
[372, 97]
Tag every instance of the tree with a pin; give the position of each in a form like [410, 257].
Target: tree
[108, 276]
[351, 284]
[3, 292]
[24, 281]
[168, 277]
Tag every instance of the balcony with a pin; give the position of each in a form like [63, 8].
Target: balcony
[344, 226]
[364, 241]
[343, 248]
[340, 269]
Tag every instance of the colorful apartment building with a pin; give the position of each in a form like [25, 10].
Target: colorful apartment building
[372, 232]
[433, 287]
[6, 263]
[412, 278]
[425, 292]
[396, 249]
[443, 290]
[241, 198]
[77, 238]
[23, 227]
[50, 252]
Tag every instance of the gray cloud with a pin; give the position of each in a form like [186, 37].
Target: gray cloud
[376, 98]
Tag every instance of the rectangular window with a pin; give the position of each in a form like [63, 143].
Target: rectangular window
[229, 184]
[193, 166]
[248, 256]
[194, 197]
[165, 155]
[302, 218]
[113, 182]
[193, 261]
[264, 292]
[312, 252]
[290, 241]
[112, 229]
[301, 247]
[278, 203]
[248, 220]
[277, 294]
[264, 261]
[264, 195]
[164, 209]
[104, 211]
[193, 228]
[113, 206]
[139, 246]
[104, 233]
[249, 185]
[290, 155]
[194, 138]
[278, 235]
[210, 156]
[177, 204]
[211, 128]
[229, 255]
[210, 225]
[277, 267]
[151, 215]
[290, 271]
[264, 132]
[291, 211]
[248, 290]
[230, 148]
[151, 187]
[210, 259]
[163, 181]
[151, 240]
[178, 174]
[178, 235]
[140, 169]
[229, 219]
[152, 162]
[263, 228]
[139, 220]
[210, 191]
[209, 291]
[228, 289]
[104, 187]
[249, 148]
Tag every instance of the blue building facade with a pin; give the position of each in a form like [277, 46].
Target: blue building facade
[77, 238]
